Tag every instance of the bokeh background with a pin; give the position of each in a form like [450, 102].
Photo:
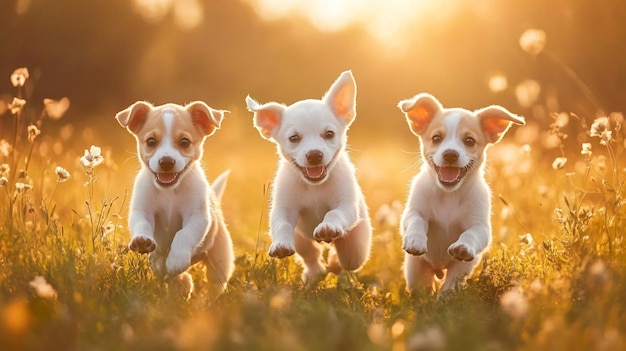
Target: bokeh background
[104, 55]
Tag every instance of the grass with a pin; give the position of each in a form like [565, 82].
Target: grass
[553, 279]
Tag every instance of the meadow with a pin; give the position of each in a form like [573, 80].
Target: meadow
[552, 280]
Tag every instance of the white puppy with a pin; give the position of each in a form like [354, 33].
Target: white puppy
[445, 224]
[315, 194]
[174, 214]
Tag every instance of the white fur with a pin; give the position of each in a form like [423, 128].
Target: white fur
[328, 207]
[445, 224]
[181, 223]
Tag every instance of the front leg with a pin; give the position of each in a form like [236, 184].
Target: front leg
[186, 240]
[282, 224]
[471, 243]
[414, 231]
[142, 230]
[337, 222]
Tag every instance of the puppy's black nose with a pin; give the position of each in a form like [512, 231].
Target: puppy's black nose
[314, 157]
[167, 163]
[450, 156]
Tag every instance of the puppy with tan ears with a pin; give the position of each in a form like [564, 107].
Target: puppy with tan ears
[315, 195]
[175, 215]
[445, 224]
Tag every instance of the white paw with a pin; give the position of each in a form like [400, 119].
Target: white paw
[142, 244]
[415, 245]
[461, 252]
[327, 232]
[281, 250]
[177, 262]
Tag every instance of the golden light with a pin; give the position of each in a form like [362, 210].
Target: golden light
[390, 22]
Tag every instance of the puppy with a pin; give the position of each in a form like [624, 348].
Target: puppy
[315, 194]
[174, 214]
[445, 224]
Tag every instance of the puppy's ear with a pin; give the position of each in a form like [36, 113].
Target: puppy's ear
[496, 120]
[134, 116]
[206, 118]
[266, 117]
[341, 97]
[419, 111]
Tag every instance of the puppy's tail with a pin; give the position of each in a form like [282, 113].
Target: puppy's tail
[219, 184]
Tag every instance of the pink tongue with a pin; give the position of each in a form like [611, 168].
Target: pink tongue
[449, 174]
[166, 177]
[315, 172]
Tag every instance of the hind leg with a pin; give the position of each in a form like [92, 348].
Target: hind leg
[457, 273]
[310, 253]
[353, 249]
[220, 262]
[419, 273]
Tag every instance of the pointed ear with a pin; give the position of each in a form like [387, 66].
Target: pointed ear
[496, 120]
[419, 111]
[266, 117]
[341, 97]
[207, 119]
[134, 116]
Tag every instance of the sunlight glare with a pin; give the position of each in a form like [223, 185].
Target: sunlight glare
[390, 22]
[187, 14]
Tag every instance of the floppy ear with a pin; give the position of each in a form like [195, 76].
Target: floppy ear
[496, 120]
[134, 116]
[419, 111]
[341, 97]
[266, 117]
[205, 117]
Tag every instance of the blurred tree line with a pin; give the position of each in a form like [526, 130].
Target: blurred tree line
[104, 55]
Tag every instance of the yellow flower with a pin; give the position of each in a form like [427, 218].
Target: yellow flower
[19, 77]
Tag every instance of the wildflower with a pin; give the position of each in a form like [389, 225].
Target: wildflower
[3, 181]
[33, 132]
[5, 168]
[42, 288]
[601, 128]
[514, 303]
[533, 41]
[586, 150]
[559, 162]
[108, 228]
[56, 108]
[19, 77]
[432, 338]
[526, 238]
[16, 105]
[19, 187]
[92, 157]
[5, 148]
[62, 174]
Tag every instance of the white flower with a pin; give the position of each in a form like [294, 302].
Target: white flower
[533, 41]
[92, 157]
[514, 303]
[526, 238]
[559, 162]
[42, 288]
[19, 77]
[32, 132]
[586, 149]
[19, 187]
[3, 181]
[62, 174]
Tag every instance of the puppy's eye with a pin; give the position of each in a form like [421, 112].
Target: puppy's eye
[184, 143]
[469, 141]
[294, 138]
[329, 134]
[436, 139]
[151, 142]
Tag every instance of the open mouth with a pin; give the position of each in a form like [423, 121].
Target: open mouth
[450, 175]
[314, 173]
[167, 178]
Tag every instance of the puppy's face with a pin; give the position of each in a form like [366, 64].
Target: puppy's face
[169, 137]
[310, 133]
[453, 141]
